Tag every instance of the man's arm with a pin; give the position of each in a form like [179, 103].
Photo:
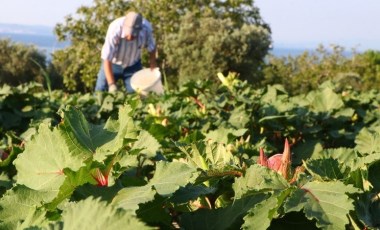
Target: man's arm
[108, 71]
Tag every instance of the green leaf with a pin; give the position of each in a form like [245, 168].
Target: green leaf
[217, 155]
[373, 175]
[129, 198]
[261, 215]
[325, 100]
[36, 218]
[156, 212]
[77, 132]
[194, 154]
[367, 208]
[363, 161]
[72, 181]
[306, 150]
[229, 217]
[326, 202]
[98, 140]
[147, 143]
[367, 141]
[115, 132]
[170, 176]
[258, 179]
[41, 165]
[21, 203]
[239, 117]
[223, 135]
[326, 169]
[91, 212]
[343, 155]
[191, 192]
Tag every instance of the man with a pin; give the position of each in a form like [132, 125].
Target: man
[121, 52]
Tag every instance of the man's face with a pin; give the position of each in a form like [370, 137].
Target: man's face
[129, 37]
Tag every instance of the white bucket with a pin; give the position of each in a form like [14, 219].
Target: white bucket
[147, 80]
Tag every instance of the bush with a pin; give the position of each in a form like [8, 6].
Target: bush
[20, 63]
[208, 45]
[305, 72]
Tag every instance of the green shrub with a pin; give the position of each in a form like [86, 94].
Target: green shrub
[208, 45]
[305, 72]
[18, 63]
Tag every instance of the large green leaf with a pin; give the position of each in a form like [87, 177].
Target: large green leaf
[306, 150]
[239, 117]
[367, 141]
[327, 202]
[156, 212]
[36, 218]
[85, 138]
[170, 176]
[129, 198]
[366, 160]
[95, 214]
[367, 208]
[19, 204]
[191, 192]
[259, 179]
[147, 143]
[72, 181]
[343, 155]
[217, 155]
[325, 100]
[194, 154]
[326, 169]
[114, 132]
[78, 132]
[261, 215]
[224, 135]
[42, 163]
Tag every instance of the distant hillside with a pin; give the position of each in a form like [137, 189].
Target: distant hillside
[25, 29]
[40, 36]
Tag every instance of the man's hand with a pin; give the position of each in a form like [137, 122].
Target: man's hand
[112, 88]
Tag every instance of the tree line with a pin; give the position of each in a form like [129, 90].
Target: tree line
[195, 40]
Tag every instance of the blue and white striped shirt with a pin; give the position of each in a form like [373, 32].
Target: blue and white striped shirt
[122, 52]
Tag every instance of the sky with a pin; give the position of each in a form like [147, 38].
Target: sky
[294, 23]
[38, 12]
[348, 23]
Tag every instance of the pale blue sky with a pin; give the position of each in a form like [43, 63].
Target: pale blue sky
[38, 12]
[349, 23]
[297, 23]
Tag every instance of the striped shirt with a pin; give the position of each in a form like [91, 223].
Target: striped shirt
[122, 52]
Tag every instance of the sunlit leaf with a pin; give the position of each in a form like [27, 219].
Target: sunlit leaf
[91, 212]
[327, 202]
[169, 176]
[42, 163]
[259, 179]
[261, 215]
[129, 198]
[21, 203]
[325, 100]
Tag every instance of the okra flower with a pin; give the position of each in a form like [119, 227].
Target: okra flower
[279, 162]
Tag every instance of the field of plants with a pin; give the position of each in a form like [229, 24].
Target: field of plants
[202, 156]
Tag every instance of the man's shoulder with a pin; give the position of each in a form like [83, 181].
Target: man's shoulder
[118, 21]
[147, 25]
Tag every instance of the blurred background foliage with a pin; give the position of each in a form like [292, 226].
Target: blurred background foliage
[195, 40]
[307, 71]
